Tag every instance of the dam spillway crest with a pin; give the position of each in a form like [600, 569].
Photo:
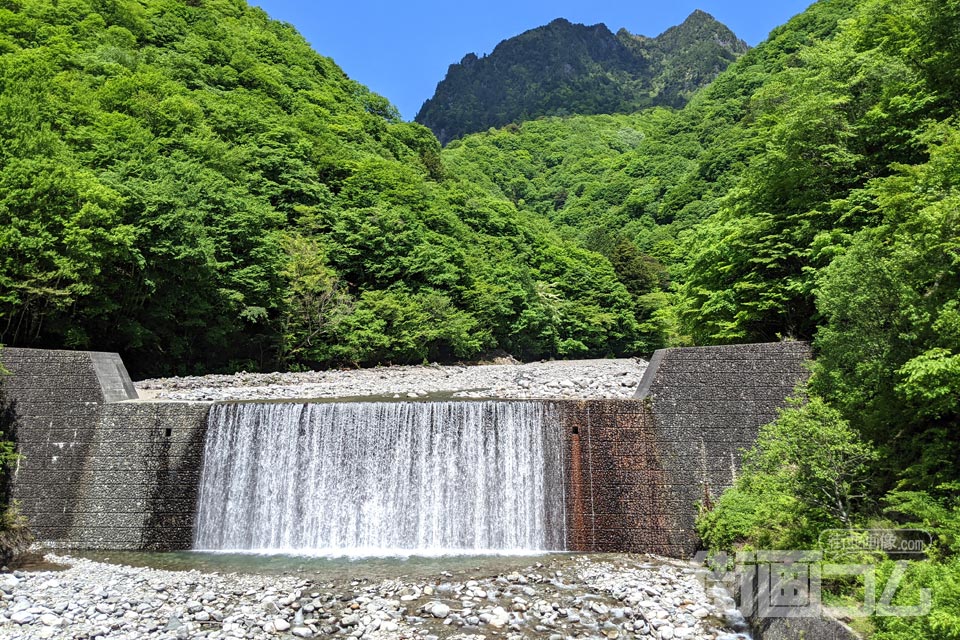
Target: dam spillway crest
[382, 477]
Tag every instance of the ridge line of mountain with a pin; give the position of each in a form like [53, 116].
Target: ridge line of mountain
[565, 68]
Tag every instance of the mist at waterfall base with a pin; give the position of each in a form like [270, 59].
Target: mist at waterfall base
[382, 479]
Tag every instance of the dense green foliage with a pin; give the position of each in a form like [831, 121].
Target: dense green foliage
[695, 190]
[565, 69]
[652, 179]
[811, 191]
[15, 536]
[600, 180]
[191, 185]
[845, 227]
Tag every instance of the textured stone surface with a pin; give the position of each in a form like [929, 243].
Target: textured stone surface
[100, 470]
[707, 405]
[503, 597]
[554, 379]
[103, 473]
[823, 628]
[638, 468]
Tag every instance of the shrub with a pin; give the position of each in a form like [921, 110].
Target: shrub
[806, 473]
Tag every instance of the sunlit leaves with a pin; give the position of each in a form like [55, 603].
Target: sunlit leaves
[192, 185]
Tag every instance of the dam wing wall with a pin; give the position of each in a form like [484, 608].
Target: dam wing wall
[639, 469]
[99, 469]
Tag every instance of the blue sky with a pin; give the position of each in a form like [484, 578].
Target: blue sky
[401, 49]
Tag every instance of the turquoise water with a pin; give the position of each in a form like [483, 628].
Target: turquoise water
[330, 569]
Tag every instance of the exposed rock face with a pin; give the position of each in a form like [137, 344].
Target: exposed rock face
[564, 69]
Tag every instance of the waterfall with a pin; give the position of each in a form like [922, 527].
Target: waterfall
[379, 478]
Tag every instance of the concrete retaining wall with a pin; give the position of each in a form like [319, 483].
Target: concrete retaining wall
[638, 469]
[103, 470]
[100, 470]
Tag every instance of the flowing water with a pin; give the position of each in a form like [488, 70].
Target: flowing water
[383, 478]
[337, 570]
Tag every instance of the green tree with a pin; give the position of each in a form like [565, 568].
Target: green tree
[157, 158]
[809, 471]
[15, 536]
[314, 304]
[891, 330]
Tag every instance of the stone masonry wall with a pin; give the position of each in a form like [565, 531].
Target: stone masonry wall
[637, 469]
[708, 405]
[98, 469]
[619, 498]
[53, 399]
[142, 477]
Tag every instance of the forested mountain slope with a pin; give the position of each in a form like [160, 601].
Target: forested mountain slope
[641, 183]
[812, 191]
[191, 185]
[565, 69]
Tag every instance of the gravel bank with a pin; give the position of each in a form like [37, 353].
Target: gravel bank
[587, 597]
[587, 379]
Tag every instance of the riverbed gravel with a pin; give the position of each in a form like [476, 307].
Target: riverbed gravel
[609, 597]
[583, 379]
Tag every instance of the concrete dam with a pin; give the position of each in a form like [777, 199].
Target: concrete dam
[102, 469]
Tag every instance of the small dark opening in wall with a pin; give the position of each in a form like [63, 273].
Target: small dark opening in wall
[168, 432]
[576, 431]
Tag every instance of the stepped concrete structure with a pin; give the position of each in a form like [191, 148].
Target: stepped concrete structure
[102, 469]
[639, 469]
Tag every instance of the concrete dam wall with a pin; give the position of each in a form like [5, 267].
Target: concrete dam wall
[99, 469]
[104, 470]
